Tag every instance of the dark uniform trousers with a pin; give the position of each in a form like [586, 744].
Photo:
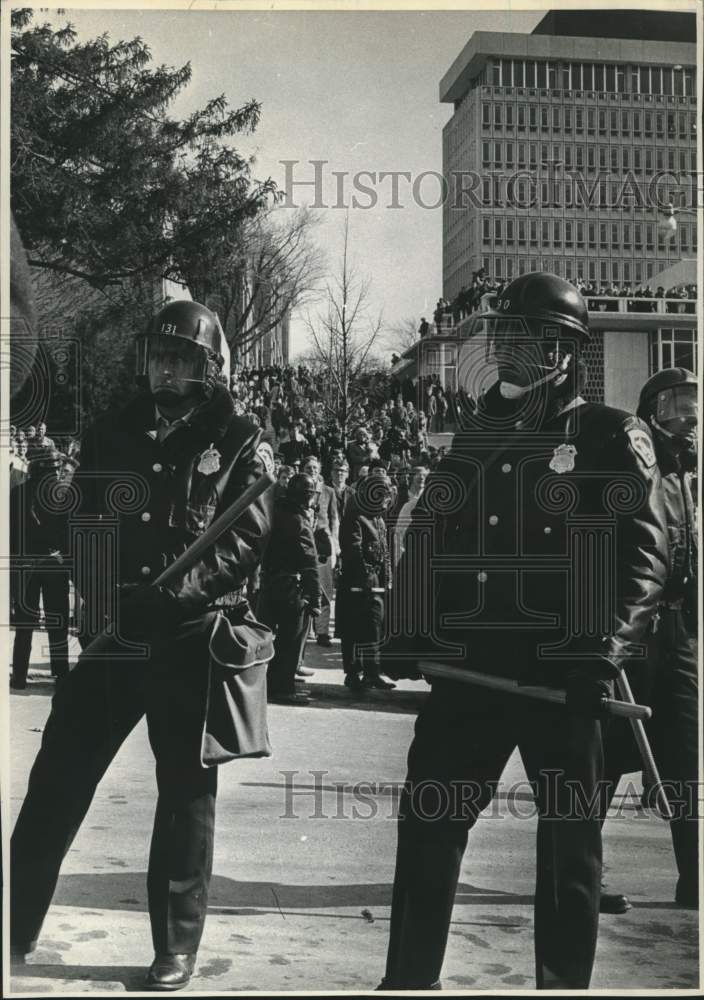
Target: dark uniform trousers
[463, 741]
[52, 584]
[669, 683]
[281, 608]
[364, 613]
[93, 712]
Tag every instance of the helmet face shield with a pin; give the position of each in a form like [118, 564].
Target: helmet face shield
[517, 350]
[676, 409]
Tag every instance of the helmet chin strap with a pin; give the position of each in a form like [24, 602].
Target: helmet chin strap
[676, 439]
[557, 376]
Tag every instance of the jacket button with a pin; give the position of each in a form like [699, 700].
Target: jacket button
[547, 531]
[482, 576]
[146, 571]
[506, 467]
[200, 524]
[157, 467]
[146, 516]
[493, 519]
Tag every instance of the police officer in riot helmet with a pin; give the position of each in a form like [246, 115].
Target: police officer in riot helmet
[669, 680]
[161, 469]
[39, 541]
[290, 590]
[533, 475]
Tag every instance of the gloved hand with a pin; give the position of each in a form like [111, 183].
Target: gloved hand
[312, 609]
[147, 612]
[585, 694]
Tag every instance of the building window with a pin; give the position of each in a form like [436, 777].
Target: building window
[615, 276]
[588, 76]
[533, 150]
[580, 269]
[566, 76]
[486, 191]
[556, 119]
[545, 232]
[486, 155]
[568, 156]
[497, 154]
[649, 236]
[568, 119]
[509, 156]
[496, 73]
[557, 232]
[521, 154]
[522, 265]
[530, 73]
[486, 116]
[498, 267]
[509, 232]
[626, 236]
[603, 151]
[592, 270]
[509, 116]
[648, 123]
[579, 157]
[518, 73]
[591, 157]
[626, 158]
[627, 272]
[660, 125]
[591, 229]
[610, 79]
[498, 231]
[544, 118]
[614, 159]
[579, 120]
[568, 234]
[521, 117]
[603, 236]
[604, 271]
[682, 120]
[639, 272]
[636, 123]
[534, 232]
[486, 230]
[671, 347]
[521, 232]
[625, 122]
[509, 268]
[498, 115]
[599, 76]
[684, 236]
[614, 236]
[621, 79]
[534, 263]
[637, 160]
[486, 264]
[644, 80]
[602, 121]
[580, 235]
[569, 274]
[648, 161]
[541, 75]
[638, 235]
[533, 118]
[613, 123]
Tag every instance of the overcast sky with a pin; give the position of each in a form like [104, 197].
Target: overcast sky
[358, 89]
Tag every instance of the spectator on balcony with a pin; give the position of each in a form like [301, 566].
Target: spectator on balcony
[424, 328]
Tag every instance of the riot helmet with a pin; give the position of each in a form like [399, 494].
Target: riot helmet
[302, 490]
[530, 340]
[668, 403]
[184, 345]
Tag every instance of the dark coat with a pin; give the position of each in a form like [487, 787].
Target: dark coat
[364, 550]
[537, 550]
[326, 534]
[290, 563]
[158, 502]
[38, 524]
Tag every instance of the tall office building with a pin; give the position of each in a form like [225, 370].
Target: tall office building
[559, 144]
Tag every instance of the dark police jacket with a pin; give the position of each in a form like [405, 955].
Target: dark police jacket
[682, 534]
[290, 568]
[364, 549]
[533, 550]
[153, 501]
[39, 523]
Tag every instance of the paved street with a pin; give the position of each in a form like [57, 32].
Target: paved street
[302, 903]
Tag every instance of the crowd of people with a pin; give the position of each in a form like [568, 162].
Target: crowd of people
[478, 295]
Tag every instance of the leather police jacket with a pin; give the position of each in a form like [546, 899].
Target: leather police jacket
[682, 534]
[291, 554]
[534, 550]
[149, 500]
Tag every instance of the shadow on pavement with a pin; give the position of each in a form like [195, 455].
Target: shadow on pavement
[128, 891]
[338, 696]
[131, 977]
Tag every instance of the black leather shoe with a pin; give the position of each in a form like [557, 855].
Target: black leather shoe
[614, 902]
[290, 698]
[170, 972]
[379, 682]
[385, 986]
[355, 682]
[323, 640]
